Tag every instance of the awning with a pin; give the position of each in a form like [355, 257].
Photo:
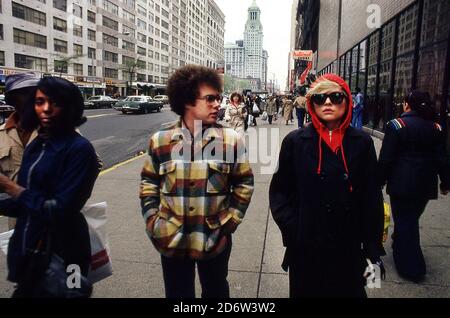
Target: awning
[149, 85]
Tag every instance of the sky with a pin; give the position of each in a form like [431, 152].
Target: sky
[276, 21]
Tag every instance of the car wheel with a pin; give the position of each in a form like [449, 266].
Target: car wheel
[159, 109]
[145, 110]
[124, 112]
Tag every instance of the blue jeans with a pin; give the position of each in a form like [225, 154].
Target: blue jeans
[300, 112]
[179, 275]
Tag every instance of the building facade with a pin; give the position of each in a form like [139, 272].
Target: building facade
[253, 43]
[108, 46]
[235, 59]
[408, 49]
[247, 58]
[215, 35]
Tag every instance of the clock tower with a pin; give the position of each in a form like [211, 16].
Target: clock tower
[253, 43]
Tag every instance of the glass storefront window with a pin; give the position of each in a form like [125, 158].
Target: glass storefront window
[387, 53]
[348, 64]
[433, 49]
[431, 70]
[372, 106]
[354, 69]
[342, 66]
[362, 65]
[405, 57]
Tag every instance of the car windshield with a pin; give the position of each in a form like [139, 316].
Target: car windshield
[134, 99]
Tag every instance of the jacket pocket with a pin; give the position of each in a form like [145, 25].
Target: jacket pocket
[167, 231]
[5, 160]
[167, 171]
[218, 177]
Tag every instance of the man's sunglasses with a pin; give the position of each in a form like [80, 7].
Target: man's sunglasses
[212, 98]
[335, 98]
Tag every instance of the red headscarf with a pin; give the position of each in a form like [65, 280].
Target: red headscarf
[337, 136]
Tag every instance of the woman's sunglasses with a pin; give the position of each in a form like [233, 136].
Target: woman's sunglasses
[335, 98]
[212, 98]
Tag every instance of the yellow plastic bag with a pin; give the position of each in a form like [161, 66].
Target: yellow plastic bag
[387, 220]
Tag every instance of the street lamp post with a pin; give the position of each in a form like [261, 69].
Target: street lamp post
[92, 74]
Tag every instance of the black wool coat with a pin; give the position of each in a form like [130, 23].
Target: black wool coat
[412, 156]
[329, 230]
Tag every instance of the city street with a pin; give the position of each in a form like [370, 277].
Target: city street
[255, 264]
[118, 137]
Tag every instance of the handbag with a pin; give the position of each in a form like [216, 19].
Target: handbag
[48, 277]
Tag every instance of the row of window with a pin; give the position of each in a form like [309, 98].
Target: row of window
[40, 64]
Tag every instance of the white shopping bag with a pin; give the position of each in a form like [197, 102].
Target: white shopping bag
[250, 120]
[4, 240]
[264, 116]
[100, 267]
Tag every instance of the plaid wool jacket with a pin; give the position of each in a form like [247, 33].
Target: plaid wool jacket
[194, 185]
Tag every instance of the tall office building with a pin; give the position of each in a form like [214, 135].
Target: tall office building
[214, 36]
[247, 58]
[253, 43]
[105, 46]
[235, 59]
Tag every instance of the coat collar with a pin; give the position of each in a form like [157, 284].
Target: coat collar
[208, 133]
[411, 113]
[310, 132]
[57, 143]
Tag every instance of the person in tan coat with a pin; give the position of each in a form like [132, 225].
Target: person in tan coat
[236, 113]
[288, 107]
[13, 137]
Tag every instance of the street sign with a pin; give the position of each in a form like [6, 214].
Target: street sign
[303, 55]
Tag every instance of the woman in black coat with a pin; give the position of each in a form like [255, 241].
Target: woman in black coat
[57, 175]
[326, 200]
[411, 158]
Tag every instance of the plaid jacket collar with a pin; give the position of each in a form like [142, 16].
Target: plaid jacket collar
[208, 133]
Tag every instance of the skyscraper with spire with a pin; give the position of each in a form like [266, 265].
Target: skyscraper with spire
[253, 43]
[247, 58]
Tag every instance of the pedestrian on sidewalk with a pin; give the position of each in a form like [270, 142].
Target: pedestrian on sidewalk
[236, 113]
[195, 187]
[300, 107]
[411, 158]
[358, 107]
[271, 108]
[58, 172]
[20, 89]
[326, 198]
[255, 109]
[288, 107]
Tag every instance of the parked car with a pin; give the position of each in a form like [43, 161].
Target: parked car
[138, 104]
[5, 111]
[162, 98]
[100, 102]
[2, 97]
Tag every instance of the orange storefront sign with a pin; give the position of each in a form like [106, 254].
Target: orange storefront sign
[304, 55]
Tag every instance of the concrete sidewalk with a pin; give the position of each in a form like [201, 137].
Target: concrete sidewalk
[257, 253]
